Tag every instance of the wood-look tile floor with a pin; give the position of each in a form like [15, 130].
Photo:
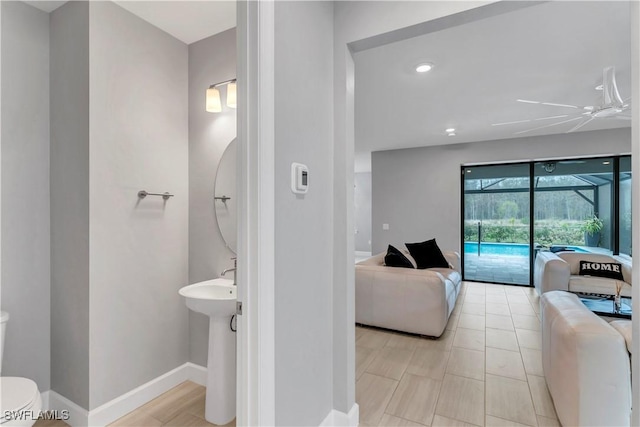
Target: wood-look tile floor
[485, 370]
[51, 423]
[182, 406]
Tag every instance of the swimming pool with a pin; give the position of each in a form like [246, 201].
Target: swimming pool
[508, 249]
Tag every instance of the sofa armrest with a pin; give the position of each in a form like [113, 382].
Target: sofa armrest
[627, 267]
[550, 273]
[585, 363]
[454, 259]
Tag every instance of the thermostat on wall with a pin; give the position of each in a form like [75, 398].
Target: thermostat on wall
[299, 178]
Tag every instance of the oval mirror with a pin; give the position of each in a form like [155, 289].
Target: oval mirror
[225, 197]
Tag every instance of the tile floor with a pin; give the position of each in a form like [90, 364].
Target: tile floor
[182, 406]
[485, 370]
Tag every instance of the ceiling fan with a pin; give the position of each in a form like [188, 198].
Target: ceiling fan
[612, 106]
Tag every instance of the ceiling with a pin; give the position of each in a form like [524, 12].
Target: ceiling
[551, 52]
[188, 21]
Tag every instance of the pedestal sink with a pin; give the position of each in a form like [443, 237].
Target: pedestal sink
[217, 299]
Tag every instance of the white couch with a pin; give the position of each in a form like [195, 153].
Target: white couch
[560, 272]
[585, 363]
[406, 299]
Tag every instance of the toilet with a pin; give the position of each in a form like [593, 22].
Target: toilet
[20, 401]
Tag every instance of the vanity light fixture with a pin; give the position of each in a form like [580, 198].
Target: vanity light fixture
[213, 104]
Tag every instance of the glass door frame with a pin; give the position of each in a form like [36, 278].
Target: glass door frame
[615, 223]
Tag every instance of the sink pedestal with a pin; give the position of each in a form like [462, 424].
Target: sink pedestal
[220, 406]
[217, 299]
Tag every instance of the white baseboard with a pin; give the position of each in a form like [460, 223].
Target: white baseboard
[340, 419]
[45, 400]
[78, 416]
[122, 405]
[197, 374]
[353, 417]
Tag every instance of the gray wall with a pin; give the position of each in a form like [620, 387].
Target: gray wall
[303, 224]
[25, 191]
[417, 191]
[362, 211]
[139, 248]
[211, 60]
[70, 202]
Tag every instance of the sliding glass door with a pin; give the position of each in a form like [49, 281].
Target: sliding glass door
[624, 205]
[496, 223]
[574, 202]
[511, 212]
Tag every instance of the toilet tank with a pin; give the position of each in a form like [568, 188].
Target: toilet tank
[4, 317]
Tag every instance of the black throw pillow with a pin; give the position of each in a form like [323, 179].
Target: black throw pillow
[427, 254]
[395, 258]
[610, 270]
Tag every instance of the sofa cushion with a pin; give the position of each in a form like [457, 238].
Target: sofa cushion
[427, 254]
[610, 270]
[395, 258]
[624, 327]
[574, 258]
[597, 285]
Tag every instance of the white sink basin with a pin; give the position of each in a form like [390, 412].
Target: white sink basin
[215, 297]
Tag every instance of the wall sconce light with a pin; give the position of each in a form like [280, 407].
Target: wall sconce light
[213, 104]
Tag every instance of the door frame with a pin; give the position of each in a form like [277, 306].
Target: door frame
[255, 391]
[615, 220]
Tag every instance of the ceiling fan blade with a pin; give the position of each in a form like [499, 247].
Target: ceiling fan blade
[552, 117]
[515, 122]
[579, 125]
[551, 104]
[548, 126]
[610, 93]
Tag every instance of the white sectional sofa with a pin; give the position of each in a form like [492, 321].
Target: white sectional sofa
[586, 363]
[406, 299]
[560, 272]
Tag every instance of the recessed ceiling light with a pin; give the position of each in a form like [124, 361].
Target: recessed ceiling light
[423, 68]
[450, 130]
[452, 134]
